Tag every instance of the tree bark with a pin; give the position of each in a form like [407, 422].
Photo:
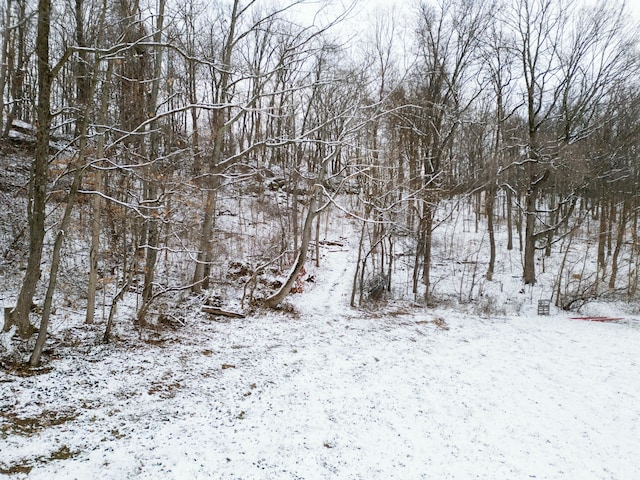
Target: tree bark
[6, 37]
[16, 62]
[354, 285]
[38, 179]
[79, 167]
[529, 271]
[96, 208]
[426, 268]
[301, 257]
[622, 225]
[34, 361]
[152, 190]
[602, 239]
[307, 232]
[509, 201]
[530, 235]
[205, 253]
[490, 202]
[81, 71]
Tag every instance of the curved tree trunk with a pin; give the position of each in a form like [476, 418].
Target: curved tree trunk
[307, 231]
[34, 361]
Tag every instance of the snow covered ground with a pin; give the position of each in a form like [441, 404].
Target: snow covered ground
[330, 392]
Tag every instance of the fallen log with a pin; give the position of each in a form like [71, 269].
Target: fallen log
[598, 319]
[219, 311]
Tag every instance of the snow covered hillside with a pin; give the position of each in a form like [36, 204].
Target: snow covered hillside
[328, 392]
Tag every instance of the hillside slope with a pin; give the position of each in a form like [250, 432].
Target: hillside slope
[331, 392]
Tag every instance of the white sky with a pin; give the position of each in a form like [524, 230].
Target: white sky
[362, 14]
[406, 5]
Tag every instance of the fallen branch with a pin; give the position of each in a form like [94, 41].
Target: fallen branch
[219, 311]
[598, 319]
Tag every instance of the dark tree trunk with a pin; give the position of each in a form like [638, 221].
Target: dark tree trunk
[490, 203]
[602, 239]
[152, 189]
[622, 224]
[38, 181]
[509, 201]
[426, 267]
[529, 272]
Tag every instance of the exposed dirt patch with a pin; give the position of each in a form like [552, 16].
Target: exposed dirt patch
[14, 424]
[25, 466]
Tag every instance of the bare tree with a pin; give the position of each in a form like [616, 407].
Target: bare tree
[219, 130]
[449, 38]
[15, 71]
[566, 68]
[38, 179]
[498, 63]
[151, 191]
[240, 96]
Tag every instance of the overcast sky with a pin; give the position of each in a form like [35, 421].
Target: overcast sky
[363, 10]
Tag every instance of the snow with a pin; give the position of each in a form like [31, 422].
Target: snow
[333, 392]
[5, 338]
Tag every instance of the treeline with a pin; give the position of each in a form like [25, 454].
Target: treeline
[151, 119]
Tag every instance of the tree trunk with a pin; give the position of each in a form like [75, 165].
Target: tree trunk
[531, 213]
[553, 215]
[490, 202]
[78, 168]
[6, 37]
[602, 240]
[203, 261]
[509, 201]
[152, 190]
[34, 361]
[426, 267]
[354, 286]
[205, 253]
[416, 263]
[390, 263]
[38, 180]
[317, 246]
[610, 222]
[83, 83]
[307, 232]
[622, 224]
[106, 337]
[193, 98]
[529, 272]
[96, 204]
[632, 280]
[17, 68]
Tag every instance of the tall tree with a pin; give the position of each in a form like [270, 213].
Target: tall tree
[498, 63]
[38, 179]
[449, 37]
[219, 130]
[152, 190]
[567, 68]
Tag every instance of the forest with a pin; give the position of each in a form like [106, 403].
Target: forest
[154, 151]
